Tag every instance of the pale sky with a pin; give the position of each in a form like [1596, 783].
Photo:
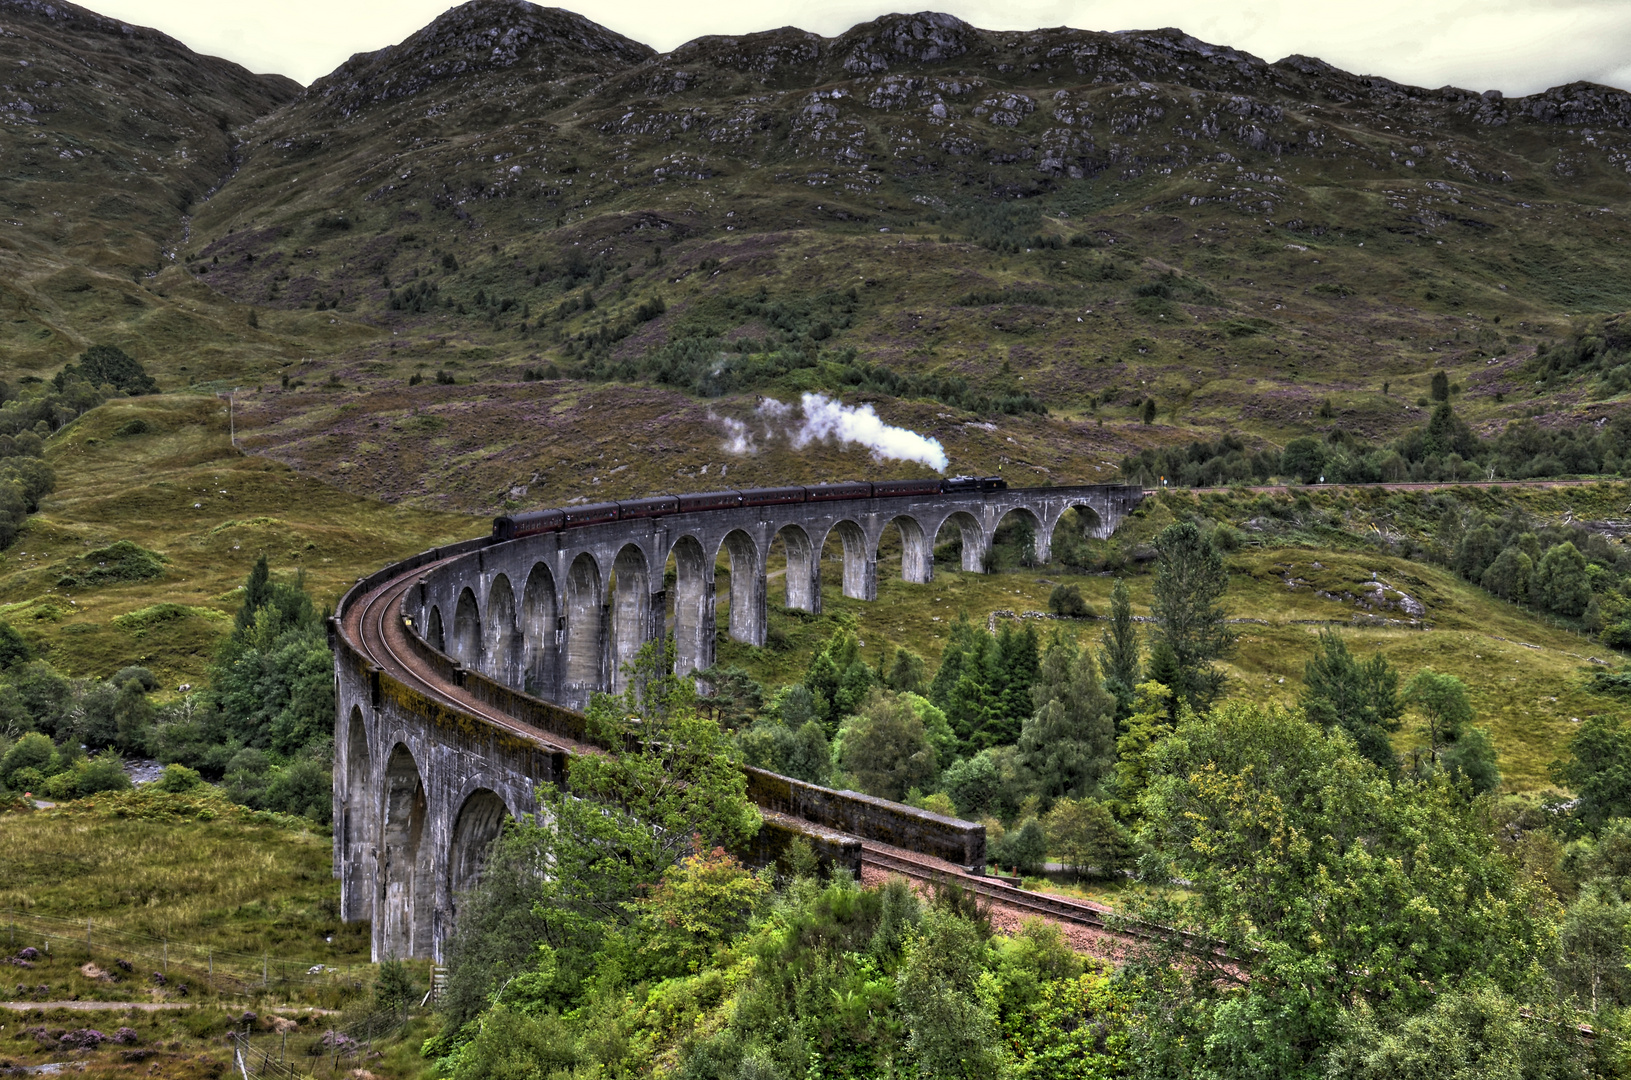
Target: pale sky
[1515, 46]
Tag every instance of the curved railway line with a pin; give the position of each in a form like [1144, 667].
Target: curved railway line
[373, 620]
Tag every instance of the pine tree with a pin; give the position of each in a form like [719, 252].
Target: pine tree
[1069, 745]
[1119, 650]
[257, 591]
[1362, 699]
[1190, 580]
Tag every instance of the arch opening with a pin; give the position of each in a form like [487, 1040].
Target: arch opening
[433, 630]
[630, 592]
[480, 820]
[959, 541]
[1017, 542]
[583, 650]
[467, 630]
[1076, 538]
[501, 645]
[406, 894]
[541, 644]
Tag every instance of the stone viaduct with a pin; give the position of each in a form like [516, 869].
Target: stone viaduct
[460, 673]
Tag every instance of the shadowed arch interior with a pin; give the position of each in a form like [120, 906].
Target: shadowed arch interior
[631, 610]
[467, 630]
[1073, 530]
[539, 621]
[433, 630]
[501, 642]
[405, 895]
[582, 653]
[480, 820]
[964, 529]
[1018, 540]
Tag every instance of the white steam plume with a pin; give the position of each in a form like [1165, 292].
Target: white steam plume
[823, 420]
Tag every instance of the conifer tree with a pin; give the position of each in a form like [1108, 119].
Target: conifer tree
[1190, 580]
[1069, 745]
[1119, 650]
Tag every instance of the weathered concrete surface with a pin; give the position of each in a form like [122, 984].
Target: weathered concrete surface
[422, 784]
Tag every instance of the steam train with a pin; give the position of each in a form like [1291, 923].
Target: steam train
[512, 526]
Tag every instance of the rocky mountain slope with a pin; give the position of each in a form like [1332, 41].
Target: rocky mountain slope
[961, 225]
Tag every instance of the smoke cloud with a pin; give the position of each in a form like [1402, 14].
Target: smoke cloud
[818, 418]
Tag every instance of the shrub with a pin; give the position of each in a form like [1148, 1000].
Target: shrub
[1067, 600]
[32, 751]
[104, 772]
[178, 778]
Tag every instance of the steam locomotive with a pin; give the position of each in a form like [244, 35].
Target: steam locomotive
[512, 526]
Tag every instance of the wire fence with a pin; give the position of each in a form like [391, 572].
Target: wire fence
[177, 962]
[288, 1053]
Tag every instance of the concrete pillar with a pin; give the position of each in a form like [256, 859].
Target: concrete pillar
[748, 616]
[499, 652]
[356, 836]
[406, 894]
[974, 540]
[465, 646]
[540, 625]
[583, 653]
[803, 570]
[860, 562]
[917, 552]
[630, 604]
[693, 607]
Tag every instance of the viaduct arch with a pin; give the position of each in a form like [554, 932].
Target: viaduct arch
[461, 675]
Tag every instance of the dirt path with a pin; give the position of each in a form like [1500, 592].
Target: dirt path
[97, 1006]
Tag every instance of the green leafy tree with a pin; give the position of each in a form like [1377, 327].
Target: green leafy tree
[1478, 1032]
[1342, 887]
[1476, 553]
[394, 989]
[1066, 600]
[667, 782]
[1190, 580]
[838, 679]
[733, 699]
[1303, 459]
[1560, 583]
[952, 1029]
[1440, 390]
[1472, 758]
[1362, 699]
[1024, 849]
[13, 649]
[907, 673]
[1068, 746]
[698, 904]
[885, 748]
[1119, 650]
[1086, 836]
[1598, 770]
[1149, 723]
[1509, 575]
[1445, 711]
[108, 365]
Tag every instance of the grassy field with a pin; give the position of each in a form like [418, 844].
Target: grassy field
[198, 871]
[183, 491]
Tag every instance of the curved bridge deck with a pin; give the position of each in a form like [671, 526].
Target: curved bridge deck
[444, 725]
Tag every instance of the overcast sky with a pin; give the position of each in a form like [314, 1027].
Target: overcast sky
[1516, 46]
